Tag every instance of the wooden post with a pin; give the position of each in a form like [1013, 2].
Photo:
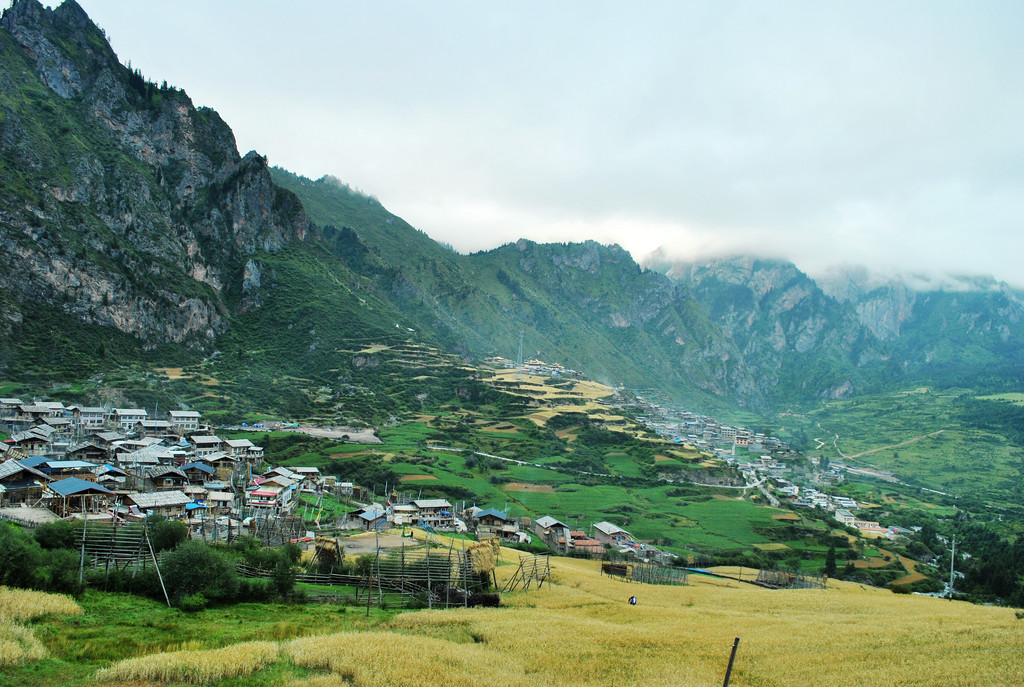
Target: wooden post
[156, 564]
[732, 657]
[81, 563]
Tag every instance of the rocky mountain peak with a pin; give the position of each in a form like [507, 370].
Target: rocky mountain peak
[115, 186]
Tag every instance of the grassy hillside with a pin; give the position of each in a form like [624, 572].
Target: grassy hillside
[946, 440]
[579, 630]
[589, 307]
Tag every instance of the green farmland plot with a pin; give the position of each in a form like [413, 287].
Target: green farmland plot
[932, 439]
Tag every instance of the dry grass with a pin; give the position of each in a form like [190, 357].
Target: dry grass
[18, 605]
[579, 630]
[582, 632]
[193, 667]
[17, 642]
[417, 478]
[385, 659]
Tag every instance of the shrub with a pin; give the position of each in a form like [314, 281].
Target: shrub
[193, 603]
[58, 572]
[283, 577]
[58, 535]
[195, 567]
[164, 535]
[20, 555]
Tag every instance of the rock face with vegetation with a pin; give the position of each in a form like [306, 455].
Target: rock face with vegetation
[849, 332]
[123, 206]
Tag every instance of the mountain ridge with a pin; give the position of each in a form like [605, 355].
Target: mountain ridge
[128, 211]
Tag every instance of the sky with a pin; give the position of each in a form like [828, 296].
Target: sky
[884, 134]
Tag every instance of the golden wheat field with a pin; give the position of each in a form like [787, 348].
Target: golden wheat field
[580, 630]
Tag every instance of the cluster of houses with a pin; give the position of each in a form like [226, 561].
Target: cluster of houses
[607, 537]
[487, 523]
[121, 463]
[534, 367]
[734, 444]
[705, 433]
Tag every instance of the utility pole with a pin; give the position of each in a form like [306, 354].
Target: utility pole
[952, 559]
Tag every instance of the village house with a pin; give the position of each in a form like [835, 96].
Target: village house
[61, 469]
[205, 445]
[127, 418]
[29, 414]
[136, 462]
[88, 417]
[107, 439]
[164, 478]
[220, 502]
[437, 513]
[582, 545]
[311, 480]
[20, 484]
[198, 473]
[169, 504]
[495, 523]
[612, 535]
[242, 449]
[111, 477]
[275, 493]
[223, 465]
[553, 533]
[160, 429]
[370, 518]
[32, 441]
[73, 495]
[184, 421]
[845, 517]
[403, 514]
[87, 450]
[9, 409]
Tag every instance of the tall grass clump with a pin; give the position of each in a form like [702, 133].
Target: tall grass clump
[19, 605]
[17, 642]
[193, 667]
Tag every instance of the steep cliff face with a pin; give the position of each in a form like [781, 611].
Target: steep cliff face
[794, 339]
[955, 327]
[593, 306]
[123, 205]
[882, 305]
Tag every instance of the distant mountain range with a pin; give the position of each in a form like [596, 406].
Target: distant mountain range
[133, 231]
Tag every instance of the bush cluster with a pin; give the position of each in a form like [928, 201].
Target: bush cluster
[194, 573]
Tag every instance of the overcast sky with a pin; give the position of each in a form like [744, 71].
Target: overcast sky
[889, 134]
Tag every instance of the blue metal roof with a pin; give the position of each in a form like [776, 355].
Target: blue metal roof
[492, 511]
[72, 486]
